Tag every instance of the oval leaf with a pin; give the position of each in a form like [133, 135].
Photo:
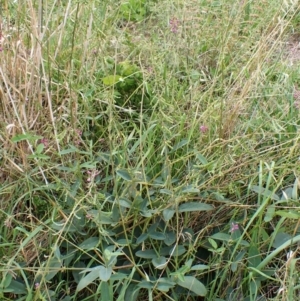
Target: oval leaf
[194, 285]
[111, 80]
[105, 273]
[88, 279]
[157, 236]
[288, 214]
[199, 267]
[124, 174]
[147, 254]
[159, 262]
[177, 251]
[141, 238]
[89, 243]
[168, 214]
[221, 236]
[194, 206]
[15, 287]
[190, 189]
[170, 238]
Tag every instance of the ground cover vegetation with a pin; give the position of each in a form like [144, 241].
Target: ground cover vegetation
[149, 150]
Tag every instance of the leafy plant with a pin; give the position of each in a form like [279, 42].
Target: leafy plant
[134, 10]
[128, 86]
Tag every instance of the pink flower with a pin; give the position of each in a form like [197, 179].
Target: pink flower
[92, 174]
[45, 142]
[203, 128]
[174, 23]
[234, 227]
[79, 134]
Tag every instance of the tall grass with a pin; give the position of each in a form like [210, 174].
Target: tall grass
[149, 149]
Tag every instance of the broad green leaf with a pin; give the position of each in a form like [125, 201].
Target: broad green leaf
[221, 236]
[270, 213]
[16, 287]
[157, 235]
[118, 276]
[159, 262]
[38, 156]
[195, 75]
[89, 165]
[165, 251]
[147, 213]
[22, 137]
[104, 291]
[146, 284]
[142, 238]
[132, 293]
[179, 145]
[265, 192]
[39, 148]
[166, 191]
[111, 80]
[70, 150]
[79, 266]
[213, 243]
[199, 267]
[236, 260]
[167, 280]
[105, 273]
[124, 174]
[88, 279]
[125, 203]
[168, 214]
[254, 257]
[194, 206]
[123, 242]
[202, 159]
[104, 218]
[234, 266]
[177, 251]
[189, 263]
[280, 239]
[220, 198]
[55, 266]
[295, 194]
[147, 254]
[6, 280]
[190, 189]
[89, 243]
[164, 286]
[194, 285]
[292, 214]
[170, 238]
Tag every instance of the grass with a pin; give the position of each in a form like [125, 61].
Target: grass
[149, 150]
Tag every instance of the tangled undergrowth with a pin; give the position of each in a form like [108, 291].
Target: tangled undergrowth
[149, 150]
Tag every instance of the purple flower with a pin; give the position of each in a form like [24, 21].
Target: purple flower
[45, 142]
[79, 134]
[234, 227]
[203, 128]
[92, 174]
[174, 24]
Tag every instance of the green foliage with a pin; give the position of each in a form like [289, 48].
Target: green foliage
[128, 86]
[149, 150]
[134, 10]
